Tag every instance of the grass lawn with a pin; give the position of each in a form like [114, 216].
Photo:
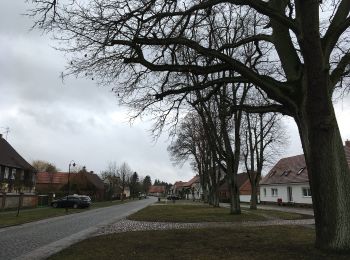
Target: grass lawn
[8, 218]
[204, 213]
[274, 242]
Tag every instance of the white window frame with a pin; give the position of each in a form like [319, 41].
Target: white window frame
[6, 173]
[274, 192]
[307, 191]
[264, 192]
[13, 174]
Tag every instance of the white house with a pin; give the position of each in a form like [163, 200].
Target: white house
[195, 188]
[288, 181]
[191, 190]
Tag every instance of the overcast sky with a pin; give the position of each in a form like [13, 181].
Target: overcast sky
[76, 119]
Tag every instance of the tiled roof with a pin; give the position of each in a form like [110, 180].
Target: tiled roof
[241, 179]
[156, 189]
[293, 169]
[179, 184]
[9, 157]
[53, 178]
[95, 180]
[190, 182]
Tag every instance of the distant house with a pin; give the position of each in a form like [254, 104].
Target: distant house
[155, 190]
[288, 181]
[83, 183]
[175, 189]
[244, 186]
[114, 189]
[87, 183]
[191, 189]
[194, 188]
[16, 174]
[51, 182]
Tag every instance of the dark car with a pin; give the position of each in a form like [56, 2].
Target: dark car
[173, 197]
[73, 201]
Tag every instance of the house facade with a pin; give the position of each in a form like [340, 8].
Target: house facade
[194, 188]
[288, 181]
[157, 190]
[191, 189]
[48, 182]
[16, 174]
[83, 183]
[244, 186]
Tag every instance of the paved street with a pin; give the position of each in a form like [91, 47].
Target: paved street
[37, 239]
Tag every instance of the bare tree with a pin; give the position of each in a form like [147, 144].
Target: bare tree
[124, 172]
[190, 143]
[263, 140]
[137, 42]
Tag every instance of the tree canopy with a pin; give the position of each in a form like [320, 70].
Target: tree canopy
[157, 53]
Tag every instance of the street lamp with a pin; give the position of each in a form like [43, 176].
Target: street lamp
[71, 163]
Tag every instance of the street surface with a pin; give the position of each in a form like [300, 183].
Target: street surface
[39, 239]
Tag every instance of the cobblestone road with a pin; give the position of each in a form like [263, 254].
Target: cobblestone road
[33, 240]
[125, 225]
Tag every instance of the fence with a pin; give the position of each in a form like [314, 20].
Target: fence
[11, 200]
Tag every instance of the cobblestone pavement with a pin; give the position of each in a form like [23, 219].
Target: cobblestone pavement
[39, 239]
[305, 211]
[125, 225]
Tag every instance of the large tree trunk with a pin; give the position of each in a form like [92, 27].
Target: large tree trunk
[329, 180]
[328, 170]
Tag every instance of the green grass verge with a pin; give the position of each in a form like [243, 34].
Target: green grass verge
[8, 218]
[203, 213]
[274, 242]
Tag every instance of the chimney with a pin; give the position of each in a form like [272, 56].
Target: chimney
[347, 143]
[0, 136]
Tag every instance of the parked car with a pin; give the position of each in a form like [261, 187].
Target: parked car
[173, 197]
[73, 201]
[85, 198]
[142, 196]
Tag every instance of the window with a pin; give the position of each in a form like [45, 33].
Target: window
[264, 192]
[301, 170]
[306, 192]
[13, 174]
[274, 192]
[22, 175]
[6, 175]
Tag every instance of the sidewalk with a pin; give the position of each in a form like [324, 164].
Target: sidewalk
[305, 211]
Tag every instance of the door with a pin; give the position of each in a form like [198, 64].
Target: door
[290, 194]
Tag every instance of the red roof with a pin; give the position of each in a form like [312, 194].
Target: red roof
[179, 184]
[293, 169]
[190, 182]
[52, 178]
[156, 189]
[241, 179]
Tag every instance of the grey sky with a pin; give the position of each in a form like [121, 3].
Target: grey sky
[58, 122]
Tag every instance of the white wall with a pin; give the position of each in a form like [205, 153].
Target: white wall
[297, 193]
[246, 198]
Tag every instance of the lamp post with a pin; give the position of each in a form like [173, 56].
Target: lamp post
[71, 163]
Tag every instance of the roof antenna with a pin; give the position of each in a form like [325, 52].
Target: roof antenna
[7, 130]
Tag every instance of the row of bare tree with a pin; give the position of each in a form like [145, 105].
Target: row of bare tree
[160, 53]
[217, 137]
[120, 177]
